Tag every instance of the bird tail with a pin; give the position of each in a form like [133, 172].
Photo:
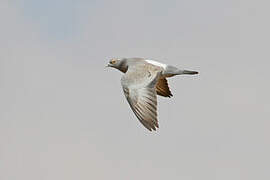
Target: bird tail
[189, 72]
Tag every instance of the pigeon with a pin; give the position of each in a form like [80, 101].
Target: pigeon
[142, 81]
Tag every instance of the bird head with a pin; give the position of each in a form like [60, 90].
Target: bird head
[119, 64]
[114, 63]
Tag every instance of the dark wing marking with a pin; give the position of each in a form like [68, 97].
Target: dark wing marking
[162, 88]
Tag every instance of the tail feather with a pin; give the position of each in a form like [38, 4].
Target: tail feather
[189, 72]
[172, 71]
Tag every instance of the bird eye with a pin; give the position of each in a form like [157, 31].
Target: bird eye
[113, 61]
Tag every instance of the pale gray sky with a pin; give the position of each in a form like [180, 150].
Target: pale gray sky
[64, 116]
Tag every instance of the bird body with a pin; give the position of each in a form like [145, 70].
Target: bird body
[143, 80]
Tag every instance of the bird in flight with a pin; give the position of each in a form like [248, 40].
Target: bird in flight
[143, 80]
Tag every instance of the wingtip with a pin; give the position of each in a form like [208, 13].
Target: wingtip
[153, 128]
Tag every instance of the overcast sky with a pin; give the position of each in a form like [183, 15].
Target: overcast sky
[64, 116]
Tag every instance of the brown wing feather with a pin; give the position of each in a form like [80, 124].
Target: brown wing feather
[162, 88]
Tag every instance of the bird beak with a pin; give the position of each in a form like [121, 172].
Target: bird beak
[108, 65]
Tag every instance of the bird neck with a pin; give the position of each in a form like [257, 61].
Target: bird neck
[123, 67]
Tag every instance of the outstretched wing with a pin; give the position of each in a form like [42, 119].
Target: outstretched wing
[139, 84]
